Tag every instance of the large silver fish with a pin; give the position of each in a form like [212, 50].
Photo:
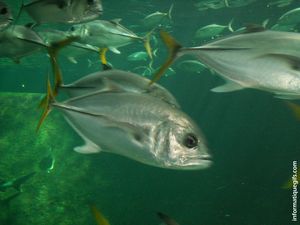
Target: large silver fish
[63, 11]
[18, 41]
[5, 15]
[107, 34]
[137, 126]
[262, 59]
[118, 80]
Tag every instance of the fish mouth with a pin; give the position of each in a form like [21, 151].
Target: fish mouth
[195, 163]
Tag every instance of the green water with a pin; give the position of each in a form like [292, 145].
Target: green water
[253, 137]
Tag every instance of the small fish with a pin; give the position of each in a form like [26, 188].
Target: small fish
[156, 19]
[63, 11]
[117, 80]
[138, 56]
[212, 30]
[280, 27]
[100, 219]
[137, 126]
[291, 17]
[191, 66]
[16, 182]
[237, 57]
[108, 34]
[166, 219]
[6, 17]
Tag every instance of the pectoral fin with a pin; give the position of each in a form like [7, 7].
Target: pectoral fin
[88, 148]
[229, 86]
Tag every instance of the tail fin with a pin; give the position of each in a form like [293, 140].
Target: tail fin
[46, 103]
[170, 11]
[147, 45]
[100, 219]
[173, 48]
[53, 50]
[21, 180]
[230, 25]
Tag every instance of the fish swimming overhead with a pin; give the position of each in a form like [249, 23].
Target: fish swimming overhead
[237, 57]
[5, 15]
[108, 34]
[63, 11]
[18, 41]
[118, 80]
[137, 126]
[157, 18]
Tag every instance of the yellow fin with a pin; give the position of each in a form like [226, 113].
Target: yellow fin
[295, 108]
[147, 44]
[102, 53]
[173, 48]
[53, 50]
[100, 219]
[46, 104]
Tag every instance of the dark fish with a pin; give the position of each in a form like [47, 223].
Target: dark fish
[63, 11]
[257, 58]
[47, 163]
[5, 15]
[16, 182]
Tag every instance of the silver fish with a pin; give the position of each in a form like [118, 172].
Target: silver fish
[138, 56]
[212, 30]
[118, 80]
[18, 41]
[107, 34]
[157, 18]
[265, 60]
[63, 11]
[5, 15]
[137, 126]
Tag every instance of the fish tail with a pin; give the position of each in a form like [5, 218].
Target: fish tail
[230, 25]
[147, 45]
[46, 104]
[173, 48]
[170, 11]
[100, 219]
[53, 50]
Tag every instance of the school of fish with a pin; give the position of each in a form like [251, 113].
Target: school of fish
[127, 114]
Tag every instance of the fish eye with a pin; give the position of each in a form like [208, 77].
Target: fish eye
[3, 11]
[190, 141]
[90, 2]
[72, 29]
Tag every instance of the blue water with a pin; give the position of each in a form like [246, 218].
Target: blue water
[253, 137]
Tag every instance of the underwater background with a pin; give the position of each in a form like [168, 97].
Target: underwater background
[253, 137]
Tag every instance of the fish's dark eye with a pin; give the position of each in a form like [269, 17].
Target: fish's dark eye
[90, 2]
[3, 11]
[190, 141]
[72, 29]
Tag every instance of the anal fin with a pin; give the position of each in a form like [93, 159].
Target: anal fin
[229, 86]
